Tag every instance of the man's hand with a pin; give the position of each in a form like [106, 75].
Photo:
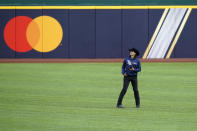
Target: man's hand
[132, 69]
[125, 74]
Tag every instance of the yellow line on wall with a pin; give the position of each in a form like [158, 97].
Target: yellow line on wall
[178, 33]
[97, 7]
[7, 7]
[28, 7]
[175, 6]
[155, 33]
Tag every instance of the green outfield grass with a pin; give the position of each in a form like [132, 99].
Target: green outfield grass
[82, 97]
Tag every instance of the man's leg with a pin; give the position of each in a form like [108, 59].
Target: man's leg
[136, 92]
[124, 90]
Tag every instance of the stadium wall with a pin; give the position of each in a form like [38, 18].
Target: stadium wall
[90, 32]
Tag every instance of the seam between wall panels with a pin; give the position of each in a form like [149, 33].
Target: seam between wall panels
[121, 51]
[95, 36]
[68, 33]
[15, 33]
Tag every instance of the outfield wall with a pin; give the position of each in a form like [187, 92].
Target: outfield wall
[92, 33]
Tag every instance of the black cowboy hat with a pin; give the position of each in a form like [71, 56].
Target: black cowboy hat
[135, 50]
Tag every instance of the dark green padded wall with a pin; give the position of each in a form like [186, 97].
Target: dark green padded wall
[98, 2]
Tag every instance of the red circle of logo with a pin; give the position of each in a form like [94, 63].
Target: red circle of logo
[15, 34]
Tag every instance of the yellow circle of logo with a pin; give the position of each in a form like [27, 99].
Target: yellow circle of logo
[44, 33]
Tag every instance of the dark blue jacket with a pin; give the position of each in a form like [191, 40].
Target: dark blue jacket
[128, 64]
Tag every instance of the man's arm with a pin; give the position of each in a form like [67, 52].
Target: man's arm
[123, 67]
[138, 68]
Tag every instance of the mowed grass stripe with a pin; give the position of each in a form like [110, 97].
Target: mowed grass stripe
[82, 97]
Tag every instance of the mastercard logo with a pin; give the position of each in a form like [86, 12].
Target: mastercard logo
[43, 34]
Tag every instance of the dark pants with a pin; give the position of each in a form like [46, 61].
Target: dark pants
[133, 81]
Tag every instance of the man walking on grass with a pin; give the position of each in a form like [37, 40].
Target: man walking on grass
[131, 66]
